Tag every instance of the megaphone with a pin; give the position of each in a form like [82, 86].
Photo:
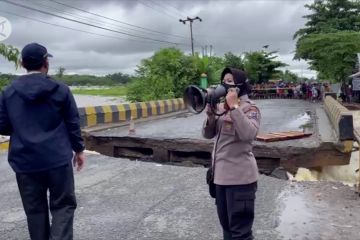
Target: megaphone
[196, 98]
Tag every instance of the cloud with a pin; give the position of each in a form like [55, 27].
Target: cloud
[236, 26]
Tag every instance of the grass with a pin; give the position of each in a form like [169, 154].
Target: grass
[116, 91]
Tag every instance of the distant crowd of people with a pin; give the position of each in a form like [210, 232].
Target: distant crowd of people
[347, 94]
[305, 90]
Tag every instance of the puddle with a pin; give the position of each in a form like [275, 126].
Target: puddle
[294, 218]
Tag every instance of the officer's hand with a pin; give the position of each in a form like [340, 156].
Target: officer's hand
[79, 160]
[232, 97]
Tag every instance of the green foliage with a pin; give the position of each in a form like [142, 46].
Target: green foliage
[79, 80]
[119, 78]
[329, 16]
[333, 55]
[212, 66]
[117, 91]
[5, 79]
[231, 60]
[169, 72]
[261, 66]
[90, 80]
[164, 75]
[330, 38]
[216, 67]
[10, 53]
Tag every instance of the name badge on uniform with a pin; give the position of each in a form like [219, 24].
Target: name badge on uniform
[228, 127]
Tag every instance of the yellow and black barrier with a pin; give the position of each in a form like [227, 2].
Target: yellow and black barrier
[91, 116]
[4, 146]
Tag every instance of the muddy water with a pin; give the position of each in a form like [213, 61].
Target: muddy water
[345, 174]
[85, 100]
[301, 121]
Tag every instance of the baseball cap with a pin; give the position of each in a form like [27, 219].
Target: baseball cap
[34, 53]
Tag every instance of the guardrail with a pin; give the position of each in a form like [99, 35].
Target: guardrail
[341, 119]
[96, 115]
[268, 93]
[4, 145]
[92, 116]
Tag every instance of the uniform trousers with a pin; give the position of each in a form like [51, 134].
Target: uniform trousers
[235, 207]
[33, 188]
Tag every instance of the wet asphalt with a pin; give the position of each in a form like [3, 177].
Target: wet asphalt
[276, 115]
[123, 199]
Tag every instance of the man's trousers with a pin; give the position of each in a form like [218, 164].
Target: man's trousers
[33, 188]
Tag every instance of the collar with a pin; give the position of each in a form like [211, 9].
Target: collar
[32, 72]
[244, 98]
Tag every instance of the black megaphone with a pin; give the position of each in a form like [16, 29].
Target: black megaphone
[196, 98]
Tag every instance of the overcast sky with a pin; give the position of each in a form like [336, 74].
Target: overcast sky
[228, 25]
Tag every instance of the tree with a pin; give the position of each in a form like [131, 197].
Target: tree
[164, 75]
[329, 16]
[261, 65]
[333, 55]
[231, 60]
[60, 72]
[10, 53]
[330, 39]
[119, 78]
[212, 66]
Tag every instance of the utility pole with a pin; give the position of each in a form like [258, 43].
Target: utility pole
[191, 20]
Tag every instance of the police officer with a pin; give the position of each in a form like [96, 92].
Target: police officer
[234, 165]
[42, 120]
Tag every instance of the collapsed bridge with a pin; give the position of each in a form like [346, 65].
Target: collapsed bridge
[166, 133]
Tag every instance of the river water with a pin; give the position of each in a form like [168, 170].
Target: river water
[86, 101]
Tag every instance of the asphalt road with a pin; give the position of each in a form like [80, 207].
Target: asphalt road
[123, 199]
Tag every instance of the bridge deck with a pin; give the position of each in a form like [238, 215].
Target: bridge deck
[171, 137]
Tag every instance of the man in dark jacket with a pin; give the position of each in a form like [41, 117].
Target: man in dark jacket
[42, 120]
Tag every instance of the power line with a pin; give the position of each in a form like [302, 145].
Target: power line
[115, 20]
[62, 11]
[166, 3]
[155, 9]
[163, 6]
[74, 29]
[88, 24]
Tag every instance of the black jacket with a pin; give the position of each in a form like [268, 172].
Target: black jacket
[42, 120]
